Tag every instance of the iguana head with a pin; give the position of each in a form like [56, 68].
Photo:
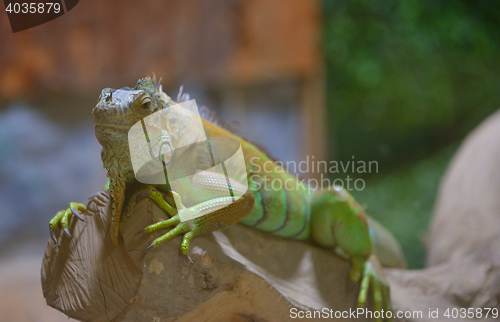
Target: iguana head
[119, 109]
[114, 115]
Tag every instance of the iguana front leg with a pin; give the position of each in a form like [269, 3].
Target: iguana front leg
[117, 190]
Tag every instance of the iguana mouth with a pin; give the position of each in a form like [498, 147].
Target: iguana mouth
[108, 119]
[113, 126]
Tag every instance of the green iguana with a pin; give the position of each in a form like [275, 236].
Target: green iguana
[329, 217]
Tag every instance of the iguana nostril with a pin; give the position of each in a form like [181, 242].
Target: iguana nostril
[109, 96]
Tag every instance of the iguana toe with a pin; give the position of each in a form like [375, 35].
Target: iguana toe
[162, 204]
[380, 289]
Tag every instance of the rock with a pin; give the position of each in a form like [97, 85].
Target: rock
[467, 211]
[464, 238]
[239, 274]
[472, 281]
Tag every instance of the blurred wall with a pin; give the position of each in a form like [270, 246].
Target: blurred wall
[110, 43]
[219, 49]
[258, 63]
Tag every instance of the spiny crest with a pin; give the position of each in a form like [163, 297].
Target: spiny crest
[154, 88]
[211, 116]
[148, 84]
[208, 114]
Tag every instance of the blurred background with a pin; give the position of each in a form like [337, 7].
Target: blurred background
[397, 82]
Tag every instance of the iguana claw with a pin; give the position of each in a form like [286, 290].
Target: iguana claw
[76, 214]
[53, 236]
[66, 231]
[140, 233]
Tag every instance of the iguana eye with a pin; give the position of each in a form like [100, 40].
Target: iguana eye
[143, 105]
[146, 105]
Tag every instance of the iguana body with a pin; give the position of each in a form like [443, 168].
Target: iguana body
[329, 217]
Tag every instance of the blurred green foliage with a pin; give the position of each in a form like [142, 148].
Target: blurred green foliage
[403, 202]
[407, 79]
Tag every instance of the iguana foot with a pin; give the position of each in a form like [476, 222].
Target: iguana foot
[62, 219]
[188, 230]
[380, 288]
[214, 214]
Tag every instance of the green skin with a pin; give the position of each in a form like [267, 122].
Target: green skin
[329, 217]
